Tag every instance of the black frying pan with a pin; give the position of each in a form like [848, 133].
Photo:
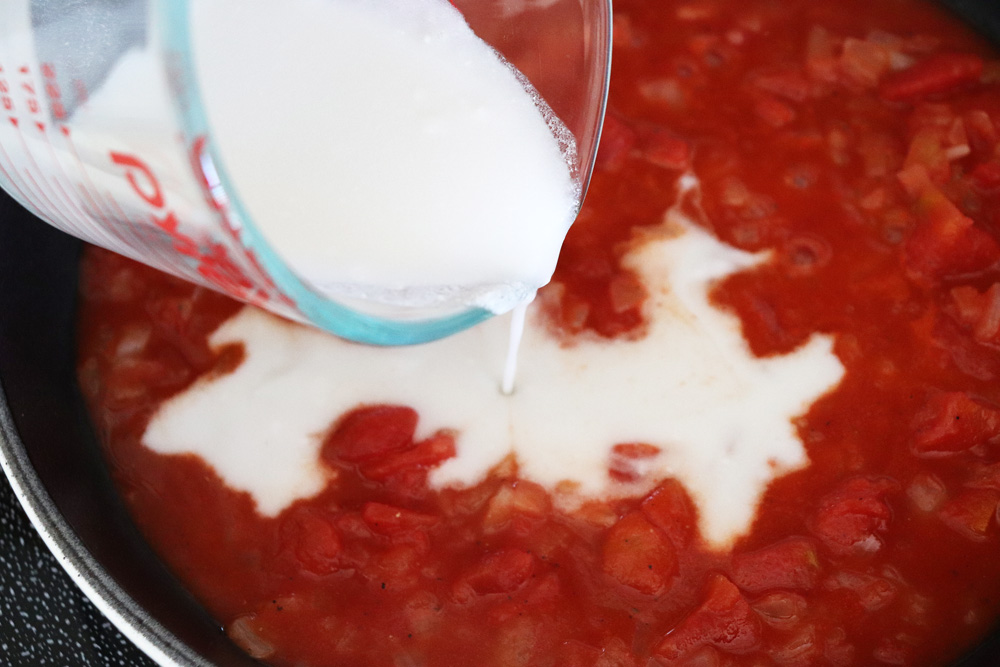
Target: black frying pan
[53, 460]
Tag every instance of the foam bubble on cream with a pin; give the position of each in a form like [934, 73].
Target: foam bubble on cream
[722, 417]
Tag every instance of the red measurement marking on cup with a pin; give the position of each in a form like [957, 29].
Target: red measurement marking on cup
[58, 111]
[127, 234]
[90, 218]
[6, 99]
[10, 172]
[96, 206]
[80, 89]
[36, 120]
[136, 241]
[214, 263]
[53, 92]
[143, 183]
[265, 291]
[29, 92]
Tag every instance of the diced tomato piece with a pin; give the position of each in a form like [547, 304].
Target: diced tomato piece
[864, 62]
[971, 513]
[544, 590]
[724, 620]
[422, 612]
[597, 513]
[802, 648]
[927, 492]
[790, 564]
[945, 242]
[637, 555]
[617, 141]
[465, 501]
[957, 137]
[851, 518]
[665, 149]
[351, 525]
[981, 132]
[781, 609]
[398, 567]
[953, 422]
[670, 509]
[948, 223]
[875, 200]
[247, 632]
[873, 592]
[968, 355]
[422, 456]
[821, 60]
[513, 502]
[927, 149]
[968, 304]
[984, 476]
[979, 312]
[371, 432]
[389, 520]
[936, 75]
[498, 572]
[629, 459]
[914, 180]
[311, 538]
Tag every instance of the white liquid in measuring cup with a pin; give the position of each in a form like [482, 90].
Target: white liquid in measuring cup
[389, 156]
[384, 150]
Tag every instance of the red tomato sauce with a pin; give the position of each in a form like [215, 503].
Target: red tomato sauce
[858, 141]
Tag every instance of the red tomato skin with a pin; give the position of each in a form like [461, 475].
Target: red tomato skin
[724, 620]
[853, 517]
[370, 432]
[791, 564]
[954, 422]
[936, 75]
[638, 555]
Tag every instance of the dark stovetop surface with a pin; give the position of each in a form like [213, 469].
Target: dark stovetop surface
[44, 618]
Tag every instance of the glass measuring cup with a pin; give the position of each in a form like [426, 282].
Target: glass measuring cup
[142, 175]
